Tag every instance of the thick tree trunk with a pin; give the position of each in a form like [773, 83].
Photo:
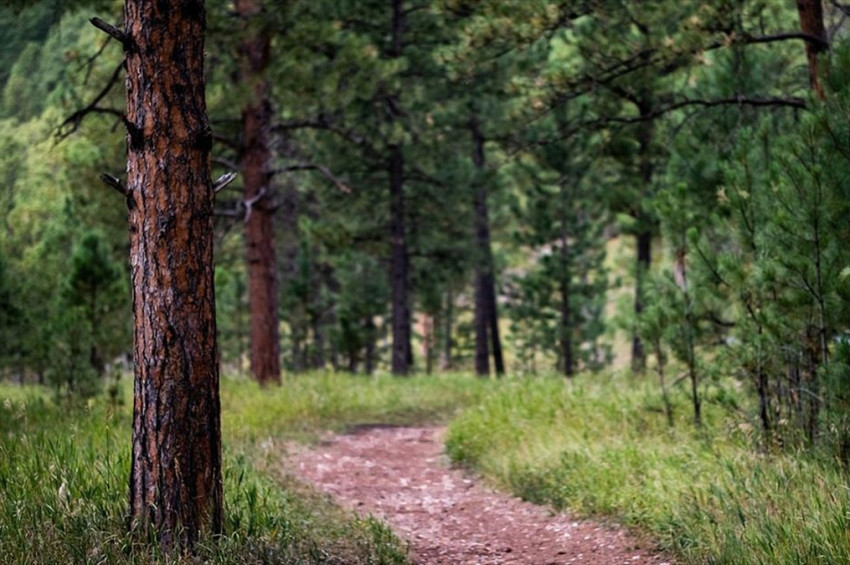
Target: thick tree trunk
[486, 307]
[175, 480]
[811, 23]
[399, 268]
[259, 222]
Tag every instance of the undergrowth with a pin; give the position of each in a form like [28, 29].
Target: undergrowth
[601, 446]
[64, 471]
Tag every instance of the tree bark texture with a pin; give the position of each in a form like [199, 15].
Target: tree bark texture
[486, 316]
[811, 23]
[259, 222]
[175, 480]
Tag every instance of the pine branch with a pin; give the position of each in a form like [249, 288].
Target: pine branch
[325, 171]
[72, 122]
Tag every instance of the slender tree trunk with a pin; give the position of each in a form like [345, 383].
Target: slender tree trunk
[644, 258]
[495, 339]
[399, 269]
[644, 236]
[481, 318]
[371, 338]
[486, 307]
[402, 352]
[175, 478]
[288, 273]
[259, 222]
[427, 321]
[446, 353]
[660, 363]
[811, 23]
[566, 313]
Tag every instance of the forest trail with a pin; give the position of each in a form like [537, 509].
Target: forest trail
[400, 474]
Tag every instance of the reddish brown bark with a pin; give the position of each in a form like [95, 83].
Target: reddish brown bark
[811, 23]
[259, 223]
[175, 481]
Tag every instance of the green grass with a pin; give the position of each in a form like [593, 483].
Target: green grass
[601, 446]
[63, 472]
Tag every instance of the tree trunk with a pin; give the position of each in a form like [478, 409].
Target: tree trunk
[811, 23]
[402, 353]
[486, 308]
[481, 318]
[399, 275]
[566, 313]
[259, 221]
[288, 272]
[369, 355]
[644, 258]
[175, 478]
[644, 236]
[446, 352]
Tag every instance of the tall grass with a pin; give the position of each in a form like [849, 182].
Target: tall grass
[307, 404]
[64, 469]
[601, 446]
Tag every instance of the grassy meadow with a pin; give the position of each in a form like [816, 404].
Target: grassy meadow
[598, 445]
[64, 471]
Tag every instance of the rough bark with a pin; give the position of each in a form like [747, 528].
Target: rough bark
[175, 480]
[259, 223]
[811, 23]
[486, 307]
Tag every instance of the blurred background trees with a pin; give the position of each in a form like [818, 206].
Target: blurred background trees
[505, 186]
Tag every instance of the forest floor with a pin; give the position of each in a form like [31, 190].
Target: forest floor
[400, 475]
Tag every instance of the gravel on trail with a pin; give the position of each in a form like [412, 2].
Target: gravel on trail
[400, 475]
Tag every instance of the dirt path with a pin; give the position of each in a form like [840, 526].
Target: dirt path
[401, 476]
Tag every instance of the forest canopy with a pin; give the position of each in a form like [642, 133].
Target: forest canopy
[505, 186]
